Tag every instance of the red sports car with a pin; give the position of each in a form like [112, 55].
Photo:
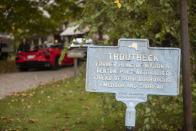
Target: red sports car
[41, 56]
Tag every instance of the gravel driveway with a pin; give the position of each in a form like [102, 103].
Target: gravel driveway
[20, 81]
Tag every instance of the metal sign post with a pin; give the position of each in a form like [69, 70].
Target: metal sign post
[132, 70]
[76, 54]
[131, 103]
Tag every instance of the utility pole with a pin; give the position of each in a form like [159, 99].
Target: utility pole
[187, 98]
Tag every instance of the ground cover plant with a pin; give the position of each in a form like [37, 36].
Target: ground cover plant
[66, 106]
[62, 105]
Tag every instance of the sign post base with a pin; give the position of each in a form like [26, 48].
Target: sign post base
[129, 128]
[131, 100]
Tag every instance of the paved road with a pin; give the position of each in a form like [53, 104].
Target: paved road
[20, 81]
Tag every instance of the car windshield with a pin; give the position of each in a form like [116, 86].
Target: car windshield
[31, 47]
[57, 46]
[78, 41]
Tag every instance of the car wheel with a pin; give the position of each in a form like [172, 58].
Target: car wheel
[23, 68]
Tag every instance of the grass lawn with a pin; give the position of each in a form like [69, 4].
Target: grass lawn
[59, 106]
[66, 106]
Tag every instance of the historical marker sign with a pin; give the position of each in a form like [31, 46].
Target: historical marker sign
[133, 70]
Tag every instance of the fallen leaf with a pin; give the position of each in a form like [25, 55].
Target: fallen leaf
[48, 97]
[32, 120]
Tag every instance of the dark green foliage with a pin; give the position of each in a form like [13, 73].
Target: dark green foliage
[24, 18]
[135, 19]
